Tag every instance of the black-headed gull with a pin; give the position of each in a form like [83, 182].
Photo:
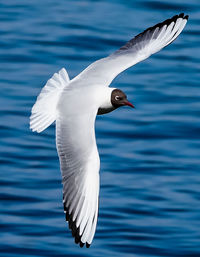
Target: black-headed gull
[74, 104]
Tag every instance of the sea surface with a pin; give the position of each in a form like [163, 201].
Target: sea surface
[150, 156]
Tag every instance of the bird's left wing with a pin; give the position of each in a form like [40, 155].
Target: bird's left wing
[152, 40]
[79, 161]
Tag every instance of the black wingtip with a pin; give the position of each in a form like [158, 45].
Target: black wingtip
[186, 17]
[158, 25]
[87, 245]
[166, 22]
[75, 230]
[81, 244]
[181, 15]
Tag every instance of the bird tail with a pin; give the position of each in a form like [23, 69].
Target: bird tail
[44, 111]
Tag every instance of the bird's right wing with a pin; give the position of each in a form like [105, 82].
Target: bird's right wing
[79, 161]
[152, 40]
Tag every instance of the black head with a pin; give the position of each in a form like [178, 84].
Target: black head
[118, 98]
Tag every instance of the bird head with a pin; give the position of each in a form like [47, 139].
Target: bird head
[119, 98]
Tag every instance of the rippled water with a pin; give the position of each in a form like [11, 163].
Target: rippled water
[150, 157]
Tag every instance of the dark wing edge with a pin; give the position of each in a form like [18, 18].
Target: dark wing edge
[72, 225]
[139, 48]
[80, 164]
[167, 22]
[74, 229]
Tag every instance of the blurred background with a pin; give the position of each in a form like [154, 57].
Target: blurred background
[150, 156]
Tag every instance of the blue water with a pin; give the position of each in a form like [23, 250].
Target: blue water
[150, 156]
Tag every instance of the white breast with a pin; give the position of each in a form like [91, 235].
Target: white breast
[76, 100]
[105, 105]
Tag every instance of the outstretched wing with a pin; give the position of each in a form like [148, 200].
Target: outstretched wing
[79, 161]
[139, 48]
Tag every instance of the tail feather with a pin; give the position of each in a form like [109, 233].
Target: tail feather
[44, 111]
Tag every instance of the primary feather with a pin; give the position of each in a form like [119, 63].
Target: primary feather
[136, 50]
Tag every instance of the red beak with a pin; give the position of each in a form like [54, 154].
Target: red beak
[129, 104]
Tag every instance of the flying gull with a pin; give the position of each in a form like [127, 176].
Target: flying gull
[74, 104]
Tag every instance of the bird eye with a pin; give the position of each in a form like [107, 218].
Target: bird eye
[117, 98]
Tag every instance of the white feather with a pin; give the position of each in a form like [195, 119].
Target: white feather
[44, 110]
[103, 71]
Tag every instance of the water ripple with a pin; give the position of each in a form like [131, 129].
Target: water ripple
[150, 158]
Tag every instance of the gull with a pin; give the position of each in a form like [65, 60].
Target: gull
[74, 104]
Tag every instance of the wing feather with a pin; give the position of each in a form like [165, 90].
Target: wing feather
[79, 161]
[152, 40]
[44, 110]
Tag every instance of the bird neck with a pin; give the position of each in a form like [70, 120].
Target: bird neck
[105, 102]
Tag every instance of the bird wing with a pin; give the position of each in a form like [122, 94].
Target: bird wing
[139, 48]
[79, 161]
